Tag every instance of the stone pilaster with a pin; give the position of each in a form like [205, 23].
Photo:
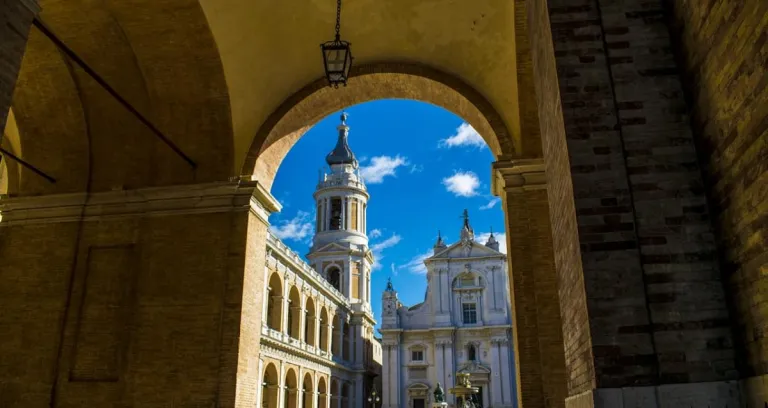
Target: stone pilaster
[521, 184]
[169, 271]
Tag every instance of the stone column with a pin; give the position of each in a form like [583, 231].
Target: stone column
[521, 183]
[342, 327]
[450, 369]
[147, 263]
[359, 396]
[497, 381]
[15, 22]
[316, 339]
[281, 390]
[329, 335]
[439, 360]
[359, 344]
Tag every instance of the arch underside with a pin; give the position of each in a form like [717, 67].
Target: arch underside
[235, 109]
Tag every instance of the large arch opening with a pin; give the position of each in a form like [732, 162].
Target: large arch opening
[322, 394]
[294, 313]
[275, 302]
[303, 109]
[309, 323]
[291, 399]
[308, 391]
[324, 323]
[270, 387]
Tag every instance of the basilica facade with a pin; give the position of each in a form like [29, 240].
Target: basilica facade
[318, 348]
[463, 326]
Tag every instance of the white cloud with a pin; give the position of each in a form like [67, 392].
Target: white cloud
[463, 184]
[465, 135]
[417, 168]
[394, 270]
[380, 167]
[297, 228]
[375, 233]
[378, 248]
[500, 237]
[416, 264]
[490, 204]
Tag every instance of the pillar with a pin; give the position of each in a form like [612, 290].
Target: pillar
[15, 22]
[439, 362]
[342, 327]
[357, 336]
[359, 397]
[329, 335]
[316, 323]
[536, 306]
[450, 368]
[497, 381]
[114, 280]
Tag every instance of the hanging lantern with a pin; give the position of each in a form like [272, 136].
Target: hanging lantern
[337, 55]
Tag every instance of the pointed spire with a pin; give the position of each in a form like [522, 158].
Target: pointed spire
[390, 288]
[492, 243]
[440, 244]
[467, 233]
[342, 154]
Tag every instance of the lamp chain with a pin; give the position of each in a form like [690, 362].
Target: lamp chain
[338, 19]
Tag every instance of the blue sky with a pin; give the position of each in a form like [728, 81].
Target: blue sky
[423, 166]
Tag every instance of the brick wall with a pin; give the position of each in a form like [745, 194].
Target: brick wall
[656, 302]
[15, 21]
[129, 311]
[723, 46]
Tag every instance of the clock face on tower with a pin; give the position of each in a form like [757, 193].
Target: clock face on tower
[388, 308]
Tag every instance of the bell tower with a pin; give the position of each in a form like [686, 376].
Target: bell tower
[339, 249]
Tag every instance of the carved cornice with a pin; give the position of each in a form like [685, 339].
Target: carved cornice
[514, 175]
[156, 201]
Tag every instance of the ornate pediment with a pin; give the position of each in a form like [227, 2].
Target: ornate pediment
[466, 249]
[473, 367]
[332, 247]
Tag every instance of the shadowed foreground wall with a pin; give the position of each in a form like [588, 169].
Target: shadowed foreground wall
[137, 304]
[723, 46]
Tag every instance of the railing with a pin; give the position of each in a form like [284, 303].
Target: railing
[317, 279]
[285, 339]
[333, 180]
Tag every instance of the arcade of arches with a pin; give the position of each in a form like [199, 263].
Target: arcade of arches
[630, 145]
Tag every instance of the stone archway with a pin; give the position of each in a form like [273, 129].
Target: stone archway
[292, 391]
[324, 329]
[310, 320]
[275, 303]
[270, 392]
[322, 394]
[308, 392]
[293, 323]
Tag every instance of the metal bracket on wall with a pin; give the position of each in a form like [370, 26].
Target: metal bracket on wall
[77, 60]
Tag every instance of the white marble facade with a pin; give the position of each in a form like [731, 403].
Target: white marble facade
[463, 325]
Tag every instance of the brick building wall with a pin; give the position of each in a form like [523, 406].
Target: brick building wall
[655, 298]
[723, 47]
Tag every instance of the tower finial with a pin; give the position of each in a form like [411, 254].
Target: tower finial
[344, 116]
[467, 233]
[390, 288]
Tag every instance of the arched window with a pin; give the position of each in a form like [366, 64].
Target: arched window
[334, 277]
[471, 353]
[336, 213]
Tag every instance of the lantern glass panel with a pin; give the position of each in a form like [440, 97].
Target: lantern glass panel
[335, 58]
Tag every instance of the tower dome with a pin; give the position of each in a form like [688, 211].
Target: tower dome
[342, 154]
